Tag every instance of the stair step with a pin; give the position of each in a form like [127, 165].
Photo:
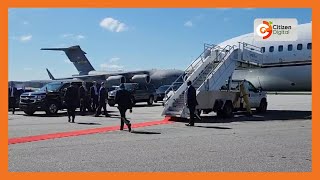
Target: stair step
[173, 113]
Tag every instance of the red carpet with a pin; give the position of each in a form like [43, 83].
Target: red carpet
[83, 132]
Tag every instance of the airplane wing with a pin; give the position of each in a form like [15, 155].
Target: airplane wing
[96, 75]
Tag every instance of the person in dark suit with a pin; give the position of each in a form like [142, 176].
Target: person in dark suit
[83, 95]
[94, 94]
[102, 101]
[71, 100]
[13, 95]
[191, 102]
[124, 100]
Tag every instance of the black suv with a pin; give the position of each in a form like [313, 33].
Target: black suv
[49, 98]
[162, 90]
[140, 93]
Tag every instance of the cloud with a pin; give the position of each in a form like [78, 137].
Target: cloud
[25, 38]
[80, 37]
[113, 25]
[188, 24]
[114, 59]
[112, 67]
[73, 36]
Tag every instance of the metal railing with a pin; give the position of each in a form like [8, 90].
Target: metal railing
[226, 50]
[192, 66]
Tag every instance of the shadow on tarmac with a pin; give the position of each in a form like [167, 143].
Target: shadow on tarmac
[145, 105]
[144, 132]
[89, 123]
[213, 127]
[270, 115]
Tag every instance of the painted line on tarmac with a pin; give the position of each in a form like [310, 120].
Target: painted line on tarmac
[82, 132]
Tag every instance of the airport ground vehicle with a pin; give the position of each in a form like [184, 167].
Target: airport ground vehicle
[230, 99]
[140, 93]
[49, 98]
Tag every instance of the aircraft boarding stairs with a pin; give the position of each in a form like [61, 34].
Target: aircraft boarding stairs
[209, 72]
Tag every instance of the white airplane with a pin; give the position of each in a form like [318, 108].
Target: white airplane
[286, 65]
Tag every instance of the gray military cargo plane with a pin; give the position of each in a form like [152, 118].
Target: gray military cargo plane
[86, 71]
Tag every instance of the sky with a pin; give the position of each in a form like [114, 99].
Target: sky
[124, 39]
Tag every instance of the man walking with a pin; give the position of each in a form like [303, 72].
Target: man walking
[124, 101]
[191, 102]
[71, 100]
[13, 93]
[102, 101]
[83, 94]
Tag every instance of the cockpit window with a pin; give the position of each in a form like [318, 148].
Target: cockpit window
[309, 46]
[299, 47]
[271, 48]
[290, 47]
[280, 48]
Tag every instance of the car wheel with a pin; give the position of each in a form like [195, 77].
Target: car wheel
[29, 112]
[133, 101]
[150, 101]
[228, 110]
[220, 113]
[111, 104]
[52, 108]
[263, 106]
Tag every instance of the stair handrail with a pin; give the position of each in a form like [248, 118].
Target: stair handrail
[224, 50]
[183, 74]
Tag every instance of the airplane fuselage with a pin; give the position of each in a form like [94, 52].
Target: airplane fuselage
[287, 64]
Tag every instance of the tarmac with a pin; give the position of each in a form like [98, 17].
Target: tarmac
[276, 141]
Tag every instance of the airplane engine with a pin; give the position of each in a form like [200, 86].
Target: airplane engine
[141, 78]
[115, 80]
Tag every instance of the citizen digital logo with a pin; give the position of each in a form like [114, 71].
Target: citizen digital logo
[281, 29]
[275, 29]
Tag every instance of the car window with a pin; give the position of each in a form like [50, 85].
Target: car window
[251, 87]
[51, 87]
[151, 87]
[65, 86]
[141, 87]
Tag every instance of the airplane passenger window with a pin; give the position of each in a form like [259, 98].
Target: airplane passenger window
[280, 48]
[309, 46]
[299, 46]
[263, 49]
[290, 47]
[271, 49]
